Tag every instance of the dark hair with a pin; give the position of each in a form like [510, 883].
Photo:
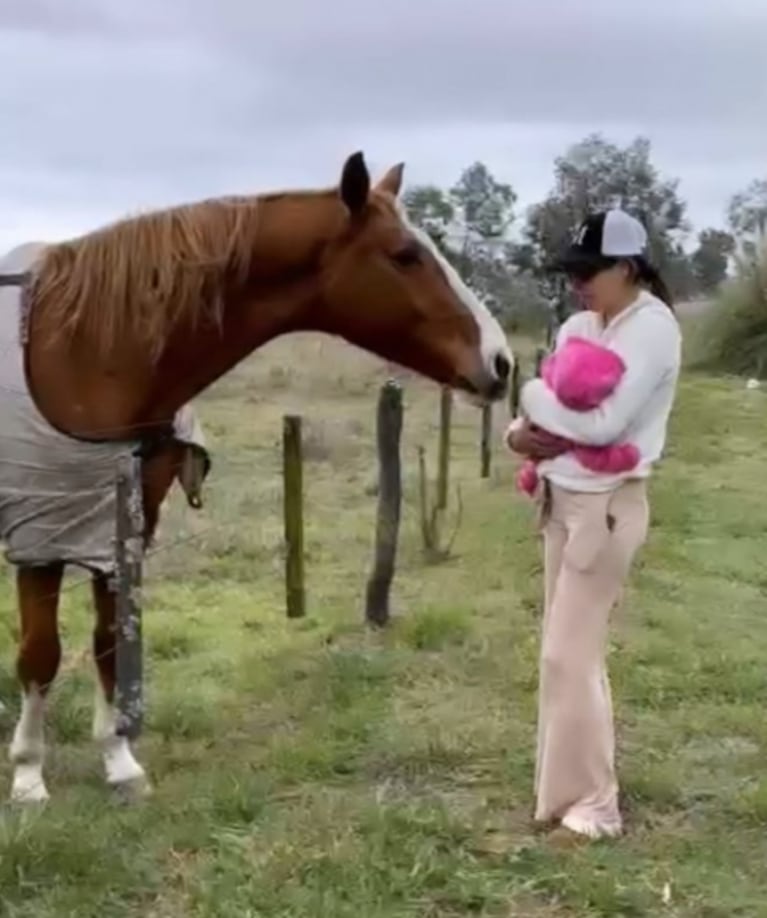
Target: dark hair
[648, 274]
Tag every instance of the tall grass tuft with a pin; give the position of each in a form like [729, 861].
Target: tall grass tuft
[732, 337]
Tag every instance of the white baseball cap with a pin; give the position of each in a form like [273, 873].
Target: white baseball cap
[602, 238]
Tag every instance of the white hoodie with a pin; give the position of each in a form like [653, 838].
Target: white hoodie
[647, 336]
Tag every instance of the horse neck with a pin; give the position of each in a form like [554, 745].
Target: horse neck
[282, 294]
[197, 357]
[82, 394]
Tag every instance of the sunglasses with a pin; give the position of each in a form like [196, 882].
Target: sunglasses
[584, 273]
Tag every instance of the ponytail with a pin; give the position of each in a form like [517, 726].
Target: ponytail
[649, 275]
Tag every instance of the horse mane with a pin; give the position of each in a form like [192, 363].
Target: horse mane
[142, 275]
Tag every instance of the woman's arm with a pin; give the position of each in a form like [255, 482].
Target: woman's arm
[651, 353]
[521, 438]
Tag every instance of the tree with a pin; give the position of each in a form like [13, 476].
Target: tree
[710, 259]
[485, 211]
[470, 224]
[747, 216]
[595, 174]
[431, 209]
[486, 206]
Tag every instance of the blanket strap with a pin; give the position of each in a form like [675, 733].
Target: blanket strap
[15, 280]
[21, 279]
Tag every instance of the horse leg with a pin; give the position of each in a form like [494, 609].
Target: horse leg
[123, 772]
[37, 664]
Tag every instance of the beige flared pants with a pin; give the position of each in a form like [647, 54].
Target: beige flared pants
[590, 541]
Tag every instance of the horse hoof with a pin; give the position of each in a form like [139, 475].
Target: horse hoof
[133, 791]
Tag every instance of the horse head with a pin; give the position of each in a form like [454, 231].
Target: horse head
[386, 287]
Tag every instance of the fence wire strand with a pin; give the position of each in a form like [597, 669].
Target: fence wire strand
[154, 550]
[85, 580]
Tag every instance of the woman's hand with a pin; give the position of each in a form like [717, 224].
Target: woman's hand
[537, 444]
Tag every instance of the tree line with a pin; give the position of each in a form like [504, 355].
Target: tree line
[503, 256]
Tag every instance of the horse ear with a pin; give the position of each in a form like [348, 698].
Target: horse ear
[392, 181]
[355, 183]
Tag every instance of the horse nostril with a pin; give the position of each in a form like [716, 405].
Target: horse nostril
[502, 367]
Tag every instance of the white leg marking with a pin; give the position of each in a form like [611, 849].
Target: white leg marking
[120, 765]
[28, 750]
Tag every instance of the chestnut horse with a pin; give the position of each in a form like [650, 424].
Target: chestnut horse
[126, 324]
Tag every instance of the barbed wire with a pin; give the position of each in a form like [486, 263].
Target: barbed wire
[104, 464]
[157, 549]
[88, 579]
[154, 549]
[85, 579]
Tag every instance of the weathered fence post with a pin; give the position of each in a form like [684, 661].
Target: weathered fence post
[487, 431]
[293, 485]
[514, 390]
[129, 549]
[558, 314]
[443, 468]
[432, 517]
[389, 430]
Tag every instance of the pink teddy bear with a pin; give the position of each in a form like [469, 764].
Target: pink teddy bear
[581, 374]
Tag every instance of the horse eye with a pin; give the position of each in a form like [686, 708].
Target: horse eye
[407, 256]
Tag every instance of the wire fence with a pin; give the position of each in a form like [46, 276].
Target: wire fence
[292, 543]
[236, 462]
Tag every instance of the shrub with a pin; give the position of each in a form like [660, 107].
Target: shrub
[732, 336]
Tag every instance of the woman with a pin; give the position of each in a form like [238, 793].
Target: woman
[594, 523]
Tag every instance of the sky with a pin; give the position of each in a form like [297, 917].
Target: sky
[108, 107]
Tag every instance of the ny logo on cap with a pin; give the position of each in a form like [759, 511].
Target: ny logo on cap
[580, 234]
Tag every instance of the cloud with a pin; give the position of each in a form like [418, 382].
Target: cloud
[109, 107]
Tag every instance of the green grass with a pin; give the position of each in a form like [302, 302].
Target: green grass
[312, 768]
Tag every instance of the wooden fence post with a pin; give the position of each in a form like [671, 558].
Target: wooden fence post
[389, 430]
[129, 549]
[514, 390]
[293, 486]
[487, 432]
[443, 469]
[432, 517]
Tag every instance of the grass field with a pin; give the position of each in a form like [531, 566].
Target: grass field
[313, 769]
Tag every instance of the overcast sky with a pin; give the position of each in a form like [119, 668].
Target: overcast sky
[108, 106]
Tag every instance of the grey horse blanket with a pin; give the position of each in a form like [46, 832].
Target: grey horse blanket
[57, 494]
